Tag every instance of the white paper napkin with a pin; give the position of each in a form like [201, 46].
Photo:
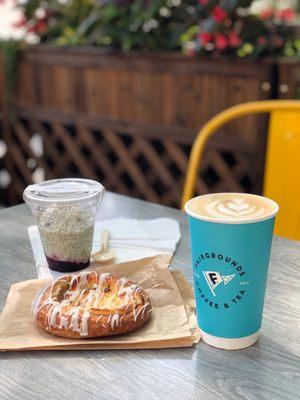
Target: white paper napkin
[130, 239]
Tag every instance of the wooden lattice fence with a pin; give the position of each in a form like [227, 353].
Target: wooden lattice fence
[129, 122]
[151, 169]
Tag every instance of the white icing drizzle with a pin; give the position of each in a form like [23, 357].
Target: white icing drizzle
[84, 331]
[103, 277]
[123, 281]
[127, 291]
[74, 324]
[85, 291]
[141, 310]
[35, 306]
[134, 313]
[55, 311]
[115, 321]
[63, 322]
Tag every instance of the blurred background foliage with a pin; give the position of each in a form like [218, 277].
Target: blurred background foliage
[212, 27]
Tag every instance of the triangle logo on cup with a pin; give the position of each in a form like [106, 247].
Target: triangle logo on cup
[213, 279]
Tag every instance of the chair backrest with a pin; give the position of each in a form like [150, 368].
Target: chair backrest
[282, 171]
[281, 181]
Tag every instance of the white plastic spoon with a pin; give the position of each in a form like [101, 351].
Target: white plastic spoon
[104, 255]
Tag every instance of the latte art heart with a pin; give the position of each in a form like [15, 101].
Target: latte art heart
[231, 207]
[235, 211]
[237, 206]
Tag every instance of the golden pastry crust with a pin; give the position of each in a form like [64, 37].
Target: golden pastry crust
[90, 305]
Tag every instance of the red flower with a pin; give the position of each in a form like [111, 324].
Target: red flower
[221, 42]
[204, 38]
[262, 41]
[277, 41]
[38, 27]
[266, 14]
[219, 14]
[234, 39]
[228, 22]
[287, 14]
[203, 2]
[19, 24]
[31, 29]
[41, 26]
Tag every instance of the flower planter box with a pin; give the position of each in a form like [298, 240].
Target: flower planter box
[129, 120]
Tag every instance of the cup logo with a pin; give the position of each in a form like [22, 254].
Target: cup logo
[213, 279]
[221, 281]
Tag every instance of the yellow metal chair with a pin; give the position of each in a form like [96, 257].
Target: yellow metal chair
[282, 171]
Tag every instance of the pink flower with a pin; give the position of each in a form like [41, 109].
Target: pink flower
[221, 42]
[204, 38]
[287, 14]
[219, 14]
[190, 52]
[234, 39]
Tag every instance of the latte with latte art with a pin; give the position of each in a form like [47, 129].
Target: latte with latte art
[231, 207]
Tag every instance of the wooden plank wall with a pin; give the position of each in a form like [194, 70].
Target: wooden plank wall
[129, 120]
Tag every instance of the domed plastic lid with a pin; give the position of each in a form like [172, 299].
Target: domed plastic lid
[63, 192]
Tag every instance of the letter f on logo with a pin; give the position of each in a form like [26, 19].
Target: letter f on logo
[213, 279]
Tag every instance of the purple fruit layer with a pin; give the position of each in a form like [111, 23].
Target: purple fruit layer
[66, 266]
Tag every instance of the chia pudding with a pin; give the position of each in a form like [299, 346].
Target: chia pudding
[65, 214]
[67, 236]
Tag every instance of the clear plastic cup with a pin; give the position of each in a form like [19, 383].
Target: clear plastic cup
[65, 210]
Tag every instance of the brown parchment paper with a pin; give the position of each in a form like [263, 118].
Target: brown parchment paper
[187, 294]
[172, 324]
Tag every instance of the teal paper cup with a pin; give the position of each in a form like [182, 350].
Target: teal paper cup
[230, 265]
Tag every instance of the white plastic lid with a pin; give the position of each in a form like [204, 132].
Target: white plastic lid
[66, 191]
